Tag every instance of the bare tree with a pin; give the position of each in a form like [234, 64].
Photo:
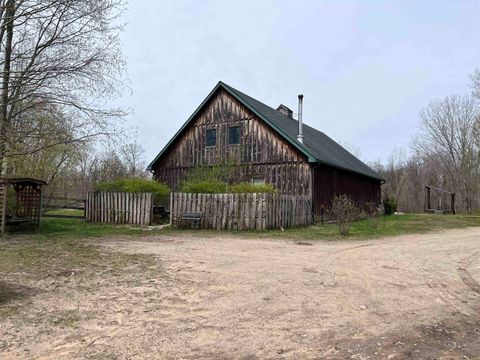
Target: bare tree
[449, 140]
[396, 174]
[61, 57]
[476, 83]
[133, 156]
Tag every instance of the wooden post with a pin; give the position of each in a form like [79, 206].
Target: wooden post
[4, 189]
[427, 188]
[453, 203]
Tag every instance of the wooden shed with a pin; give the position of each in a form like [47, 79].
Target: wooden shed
[25, 206]
[271, 147]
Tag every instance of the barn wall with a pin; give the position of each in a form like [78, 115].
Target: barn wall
[261, 151]
[329, 182]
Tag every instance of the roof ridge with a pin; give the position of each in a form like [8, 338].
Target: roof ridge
[331, 149]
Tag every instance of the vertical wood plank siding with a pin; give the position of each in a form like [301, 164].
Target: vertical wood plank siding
[329, 182]
[119, 208]
[243, 211]
[261, 151]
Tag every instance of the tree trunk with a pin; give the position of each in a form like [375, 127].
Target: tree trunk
[4, 121]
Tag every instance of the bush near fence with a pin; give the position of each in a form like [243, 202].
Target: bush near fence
[248, 211]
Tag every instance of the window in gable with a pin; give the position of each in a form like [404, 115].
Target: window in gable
[233, 135]
[211, 137]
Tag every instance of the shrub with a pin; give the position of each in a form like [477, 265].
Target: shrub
[135, 185]
[219, 187]
[344, 211]
[226, 173]
[374, 212]
[390, 205]
[245, 187]
[204, 186]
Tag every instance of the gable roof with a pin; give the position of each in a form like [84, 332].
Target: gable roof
[317, 147]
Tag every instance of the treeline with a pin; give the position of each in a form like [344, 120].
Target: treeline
[445, 154]
[72, 171]
[61, 67]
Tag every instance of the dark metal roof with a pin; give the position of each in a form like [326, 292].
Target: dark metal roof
[317, 147]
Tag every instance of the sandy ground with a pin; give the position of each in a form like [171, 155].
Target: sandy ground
[415, 296]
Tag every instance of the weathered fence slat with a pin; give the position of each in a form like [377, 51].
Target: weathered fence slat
[119, 208]
[243, 211]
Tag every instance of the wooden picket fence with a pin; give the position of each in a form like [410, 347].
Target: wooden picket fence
[119, 208]
[243, 211]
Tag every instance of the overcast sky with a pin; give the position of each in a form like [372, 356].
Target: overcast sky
[365, 68]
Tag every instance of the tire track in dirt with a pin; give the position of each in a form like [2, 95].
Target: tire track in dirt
[465, 275]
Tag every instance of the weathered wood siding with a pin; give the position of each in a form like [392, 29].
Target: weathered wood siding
[243, 211]
[329, 182]
[261, 151]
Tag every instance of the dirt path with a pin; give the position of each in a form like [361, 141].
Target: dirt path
[415, 296]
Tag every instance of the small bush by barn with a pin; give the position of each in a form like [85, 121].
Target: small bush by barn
[344, 211]
[245, 187]
[135, 185]
[390, 205]
[204, 186]
[218, 187]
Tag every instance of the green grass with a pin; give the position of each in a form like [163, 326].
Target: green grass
[388, 226]
[53, 228]
[65, 212]
[78, 228]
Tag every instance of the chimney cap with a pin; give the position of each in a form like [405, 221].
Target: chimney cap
[300, 96]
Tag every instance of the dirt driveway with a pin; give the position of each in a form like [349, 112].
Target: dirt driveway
[415, 296]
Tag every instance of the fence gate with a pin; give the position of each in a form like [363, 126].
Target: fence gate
[119, 208]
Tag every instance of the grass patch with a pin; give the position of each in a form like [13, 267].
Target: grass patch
[389, 226]
[59, 228]
[66, 318]
[37, 259]
[52, 228]
[65, 212]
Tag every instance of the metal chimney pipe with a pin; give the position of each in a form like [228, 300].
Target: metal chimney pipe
[300, 123]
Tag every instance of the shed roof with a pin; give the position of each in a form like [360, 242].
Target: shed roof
[317, 147]
[21, 180]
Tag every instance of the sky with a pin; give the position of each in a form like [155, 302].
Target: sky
[366, 68]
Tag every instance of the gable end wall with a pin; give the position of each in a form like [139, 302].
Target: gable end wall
[261, 152]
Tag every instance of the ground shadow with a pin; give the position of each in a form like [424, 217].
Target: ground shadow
[10, 292]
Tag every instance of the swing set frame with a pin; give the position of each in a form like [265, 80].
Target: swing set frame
[428, 201]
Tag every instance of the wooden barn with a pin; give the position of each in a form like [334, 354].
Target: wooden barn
[270, 146]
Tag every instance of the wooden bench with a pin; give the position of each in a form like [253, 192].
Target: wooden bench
[193, 219]
[12, 219]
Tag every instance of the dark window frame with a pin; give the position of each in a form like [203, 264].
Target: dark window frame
[207, 138]
[238, 135]
[255, 179]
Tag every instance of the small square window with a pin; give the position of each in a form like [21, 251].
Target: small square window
[233, 135]
[211, 137]
[258, 180]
